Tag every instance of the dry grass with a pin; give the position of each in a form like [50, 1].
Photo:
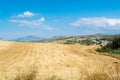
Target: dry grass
[52, 61]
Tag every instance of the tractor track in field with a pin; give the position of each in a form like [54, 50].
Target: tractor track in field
[67, 62]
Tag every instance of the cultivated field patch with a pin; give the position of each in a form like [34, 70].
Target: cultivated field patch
[52, 61]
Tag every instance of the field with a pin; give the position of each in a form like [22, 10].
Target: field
[53, 61]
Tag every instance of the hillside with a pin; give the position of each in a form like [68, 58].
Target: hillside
[83, 39]
[53, 61]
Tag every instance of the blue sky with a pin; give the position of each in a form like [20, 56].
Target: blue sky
[47, 18]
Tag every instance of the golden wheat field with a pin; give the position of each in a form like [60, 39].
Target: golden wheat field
[53, 61]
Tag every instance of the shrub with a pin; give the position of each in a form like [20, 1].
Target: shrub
[113, 48]
[69, 42]
[87, 42]
[104, 49]
[115, 42]
[29, 76]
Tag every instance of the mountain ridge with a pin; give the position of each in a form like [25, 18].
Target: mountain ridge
[29, 38]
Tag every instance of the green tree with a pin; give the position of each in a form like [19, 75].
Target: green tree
[115, 42]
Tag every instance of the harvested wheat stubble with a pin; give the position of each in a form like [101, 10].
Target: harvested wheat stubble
[52, 61]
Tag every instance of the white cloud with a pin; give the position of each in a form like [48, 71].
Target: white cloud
[98, 22]
[24, 14]
[28, 22]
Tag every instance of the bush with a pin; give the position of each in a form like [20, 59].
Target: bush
[115, 42]
[116, 51]
[113, 48]
[69, 42]
[104, 49]
[87, 42]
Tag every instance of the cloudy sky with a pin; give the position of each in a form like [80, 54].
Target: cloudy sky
[47, 18]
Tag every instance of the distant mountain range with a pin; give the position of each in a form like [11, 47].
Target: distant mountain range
[29, 38]
[34, 38]
[79, 37]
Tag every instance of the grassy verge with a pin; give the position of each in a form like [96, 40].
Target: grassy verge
[113, 48]
[110, 52]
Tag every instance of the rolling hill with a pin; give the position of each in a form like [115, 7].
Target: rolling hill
[53, 61]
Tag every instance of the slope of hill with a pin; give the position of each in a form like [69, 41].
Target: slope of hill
[75, 38]
[52, 61]
[29, 38]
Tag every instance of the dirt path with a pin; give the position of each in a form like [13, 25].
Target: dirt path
[52, 60]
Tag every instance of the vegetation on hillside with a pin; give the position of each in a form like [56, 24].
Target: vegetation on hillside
[113, 47]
